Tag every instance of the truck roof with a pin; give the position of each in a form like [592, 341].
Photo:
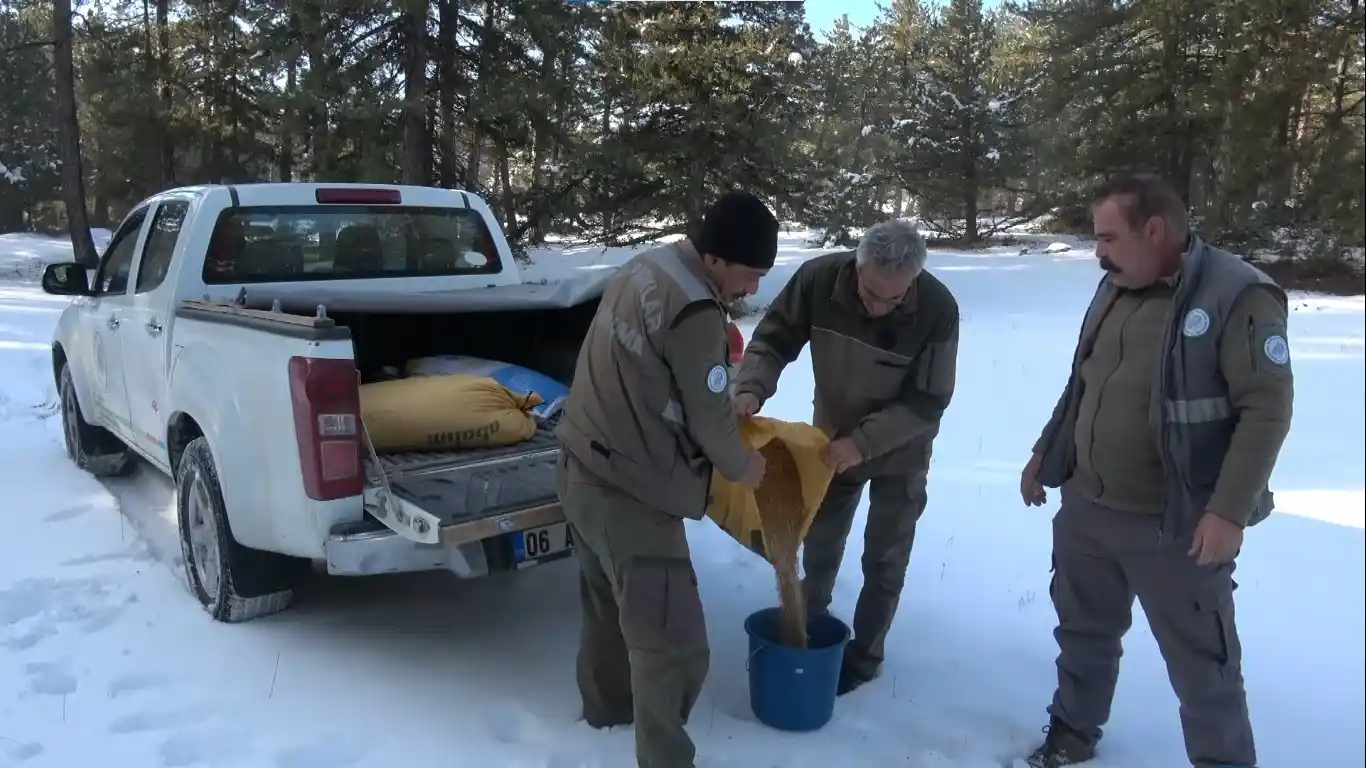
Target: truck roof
[310, 193]
[262, 192]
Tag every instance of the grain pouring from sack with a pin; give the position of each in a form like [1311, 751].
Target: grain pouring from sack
[780, 503]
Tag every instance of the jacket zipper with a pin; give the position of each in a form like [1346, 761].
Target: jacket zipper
[1075, 375]
[1100, 396]
[664, 618]
[1251, 344]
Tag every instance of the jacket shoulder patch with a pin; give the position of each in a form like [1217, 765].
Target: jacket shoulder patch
[717, 379]
[1196, 323]
[1276, 349]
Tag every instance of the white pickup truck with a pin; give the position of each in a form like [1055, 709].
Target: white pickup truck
[224, 336]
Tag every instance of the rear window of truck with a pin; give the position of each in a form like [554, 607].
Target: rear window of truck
[347, 242]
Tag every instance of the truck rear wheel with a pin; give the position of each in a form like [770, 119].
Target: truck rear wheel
[234, 583]
[93, 448]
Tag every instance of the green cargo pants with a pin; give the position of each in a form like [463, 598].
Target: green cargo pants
[643, 653]
[895, 505]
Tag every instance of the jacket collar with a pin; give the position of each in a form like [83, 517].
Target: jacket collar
[692, 261]
[1191, 261]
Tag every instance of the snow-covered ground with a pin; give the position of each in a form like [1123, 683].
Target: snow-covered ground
[105, 660]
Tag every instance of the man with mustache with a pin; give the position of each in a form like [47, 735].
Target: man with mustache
[1162, 444]
[647, 418]
[884, 351]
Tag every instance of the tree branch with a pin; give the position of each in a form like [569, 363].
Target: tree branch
[27, 44]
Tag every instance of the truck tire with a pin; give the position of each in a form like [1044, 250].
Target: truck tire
[93, 448]
[234, 583]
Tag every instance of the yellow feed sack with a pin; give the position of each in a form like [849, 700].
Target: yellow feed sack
[443, 413]
[733, 505]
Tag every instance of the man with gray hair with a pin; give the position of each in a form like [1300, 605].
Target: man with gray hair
[884, 349]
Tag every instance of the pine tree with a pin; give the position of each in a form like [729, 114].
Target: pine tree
[963, 140]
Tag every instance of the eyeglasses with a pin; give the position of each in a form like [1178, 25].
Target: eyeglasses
[890, 302]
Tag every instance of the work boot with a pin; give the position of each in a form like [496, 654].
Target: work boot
[851, 677]
[1062, 746]
[599, 722]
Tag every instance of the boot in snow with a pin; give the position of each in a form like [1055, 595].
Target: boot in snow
[1062, 746]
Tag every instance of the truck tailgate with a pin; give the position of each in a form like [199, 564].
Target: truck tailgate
[459, 486]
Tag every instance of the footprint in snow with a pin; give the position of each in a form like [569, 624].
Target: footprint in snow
[204, 747]
[139, 722]
[15, 752]
[108, 557]
[101, 618]
[322, 754]
[34, 609]
[511, 724]
[567, 760]
[50, 678]
[136, 681]
[28, 639]
[70, 513]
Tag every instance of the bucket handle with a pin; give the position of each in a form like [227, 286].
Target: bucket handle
[750, 659]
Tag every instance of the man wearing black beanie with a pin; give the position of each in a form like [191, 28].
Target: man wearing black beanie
[738, 242]
[647, 419]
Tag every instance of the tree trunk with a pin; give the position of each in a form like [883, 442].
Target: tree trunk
[448, 29]
[315, 88]
[416, 147]
[487, 44]
[505, 181]
[289, 120]
[543, 149]
[69, 137]
[971, 186]
[164, 76]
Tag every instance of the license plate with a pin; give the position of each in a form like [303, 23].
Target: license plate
[539, 543]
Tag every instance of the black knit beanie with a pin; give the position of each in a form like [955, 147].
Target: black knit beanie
[740, 229]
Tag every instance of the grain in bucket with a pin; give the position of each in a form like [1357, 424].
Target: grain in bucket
[780, 503]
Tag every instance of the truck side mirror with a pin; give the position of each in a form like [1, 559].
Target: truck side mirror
[68, 279]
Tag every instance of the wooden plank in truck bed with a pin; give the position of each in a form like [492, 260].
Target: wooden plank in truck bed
[218, 308]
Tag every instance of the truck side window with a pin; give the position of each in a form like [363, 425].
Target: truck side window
[112, 277]
[161, 242]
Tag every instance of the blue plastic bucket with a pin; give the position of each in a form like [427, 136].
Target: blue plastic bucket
[793, 689]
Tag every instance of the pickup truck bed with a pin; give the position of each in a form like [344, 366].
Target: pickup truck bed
[458, 486]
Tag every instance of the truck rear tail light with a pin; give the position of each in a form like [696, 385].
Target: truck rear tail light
[339, 461]
[326, 399]
[735, 343]
[357, 196]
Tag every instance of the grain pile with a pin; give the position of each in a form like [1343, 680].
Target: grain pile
[780, 504]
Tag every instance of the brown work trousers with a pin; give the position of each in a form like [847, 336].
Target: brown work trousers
[895, 504]
[643, 653]
[1104, 558]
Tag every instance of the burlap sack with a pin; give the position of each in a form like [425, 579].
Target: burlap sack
[444, 413]
[735, 508]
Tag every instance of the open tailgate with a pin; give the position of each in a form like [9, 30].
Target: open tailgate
[459, 497]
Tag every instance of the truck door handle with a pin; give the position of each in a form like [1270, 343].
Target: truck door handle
[153, 327]
[114, 322]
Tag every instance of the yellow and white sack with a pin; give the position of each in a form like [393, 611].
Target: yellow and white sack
[735, 507]
[445, 413]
